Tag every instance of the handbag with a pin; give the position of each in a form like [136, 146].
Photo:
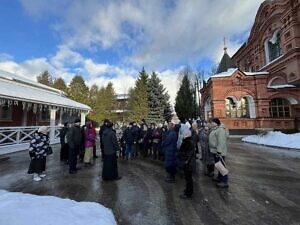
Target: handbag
[221, 167]
[49, 151]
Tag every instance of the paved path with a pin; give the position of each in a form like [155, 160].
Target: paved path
[264, 189]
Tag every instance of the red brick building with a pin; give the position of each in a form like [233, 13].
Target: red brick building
[260, 86]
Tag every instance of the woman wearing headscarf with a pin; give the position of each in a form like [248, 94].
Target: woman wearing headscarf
[38, 149]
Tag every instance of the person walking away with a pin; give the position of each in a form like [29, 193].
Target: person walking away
[89, 143]
[208, 161]
[64, 147]
[169, 147]
[111, 147]
[75, 142]
[218, 146]
[129, 141]
[187, 154]
[38, 147]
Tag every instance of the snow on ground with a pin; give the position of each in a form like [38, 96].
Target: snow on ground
[26, 209]
[276, 138]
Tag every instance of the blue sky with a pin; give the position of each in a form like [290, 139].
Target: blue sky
[112, 40]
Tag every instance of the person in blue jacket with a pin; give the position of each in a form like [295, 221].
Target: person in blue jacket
[169, 146]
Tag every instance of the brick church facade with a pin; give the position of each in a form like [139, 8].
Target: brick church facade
[259, 87]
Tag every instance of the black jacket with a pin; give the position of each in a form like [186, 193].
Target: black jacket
[110, 142]
[187, 154]
[74, 136]
[129, 136]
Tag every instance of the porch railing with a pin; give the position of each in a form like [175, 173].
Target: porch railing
[21, 135]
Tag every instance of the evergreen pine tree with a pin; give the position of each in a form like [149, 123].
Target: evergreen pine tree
[78, 90]
[60, 84]
[92, 100]
[45, 78]
[138, 98]
[185, 100]
[158, 100]
[105, 103]
[167, 108]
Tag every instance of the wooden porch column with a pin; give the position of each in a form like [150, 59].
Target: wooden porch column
[60, 117]
[82, 117]
[52, 124]
[24, 118]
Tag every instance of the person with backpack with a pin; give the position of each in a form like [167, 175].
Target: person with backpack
[218, 146]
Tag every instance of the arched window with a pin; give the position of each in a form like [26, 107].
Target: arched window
[272, 47]
[280, 108]
[230, 108]
[243, 110]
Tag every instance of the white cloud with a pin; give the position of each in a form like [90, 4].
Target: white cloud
[158, 34]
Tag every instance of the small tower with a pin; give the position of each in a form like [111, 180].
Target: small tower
[226, 61]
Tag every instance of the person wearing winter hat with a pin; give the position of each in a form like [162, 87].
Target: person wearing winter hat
[38, 147]
[218, 146]
[186, 154]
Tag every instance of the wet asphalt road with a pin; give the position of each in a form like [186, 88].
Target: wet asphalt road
[264, 189]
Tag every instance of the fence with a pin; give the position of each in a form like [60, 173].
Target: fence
[17, 138]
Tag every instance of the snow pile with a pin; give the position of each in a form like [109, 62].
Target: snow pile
[276, 138]
[27, 209]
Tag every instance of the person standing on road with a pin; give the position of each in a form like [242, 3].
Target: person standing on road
[187, 154]
[75, 142]
[169, 146]
[129, 142]
[64, 149]
[102, 128]
[208, 161]
[218, 146]
[89, 142]
[111, 147]
[38, 147]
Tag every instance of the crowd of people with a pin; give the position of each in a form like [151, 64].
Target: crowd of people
[177, 145]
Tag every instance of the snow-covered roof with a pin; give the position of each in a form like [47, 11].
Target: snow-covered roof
[282, 86]
[228, 73]
[18, 88]
[256, 73]
[231, 71]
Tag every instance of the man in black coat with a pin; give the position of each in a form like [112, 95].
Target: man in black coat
[111, 146]
[74, 140]
[102, 128]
